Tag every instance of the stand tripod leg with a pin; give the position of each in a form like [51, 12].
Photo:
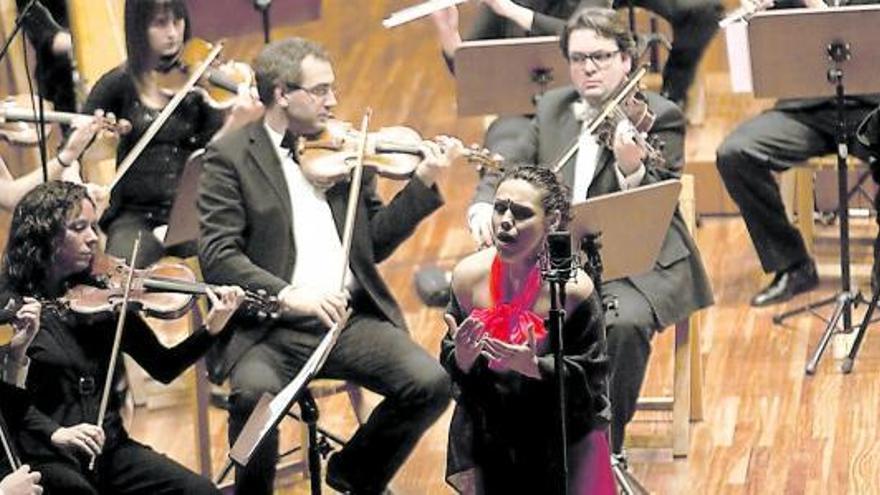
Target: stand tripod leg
[847, 364]
[309, 411]
[224, 472]
[843, 301]
[778, 319]
[627, 484]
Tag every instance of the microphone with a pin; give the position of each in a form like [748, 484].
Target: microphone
[557, 263]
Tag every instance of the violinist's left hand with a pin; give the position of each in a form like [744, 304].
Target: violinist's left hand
[438, 154]
[224, 302]
[246, 108]
[628, 153]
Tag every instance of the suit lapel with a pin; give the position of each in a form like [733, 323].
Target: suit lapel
[263, 152]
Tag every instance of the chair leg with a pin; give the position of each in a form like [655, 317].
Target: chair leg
[681, 391]
[805, 204]
[696, 356]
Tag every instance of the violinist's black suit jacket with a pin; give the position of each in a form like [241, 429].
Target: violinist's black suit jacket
[678, 285]
[247, 230]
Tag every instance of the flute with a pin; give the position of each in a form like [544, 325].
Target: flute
[417, 11]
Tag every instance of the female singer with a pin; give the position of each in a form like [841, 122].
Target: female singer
[503, 433]
[155, 32]
[52, 245]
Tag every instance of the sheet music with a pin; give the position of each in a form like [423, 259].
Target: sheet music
[417, 12]
[738, 56]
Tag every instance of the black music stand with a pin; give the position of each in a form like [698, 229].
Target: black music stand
[836, 56]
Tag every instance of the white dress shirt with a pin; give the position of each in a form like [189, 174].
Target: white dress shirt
[319, 254]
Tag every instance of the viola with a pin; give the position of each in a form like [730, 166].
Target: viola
[628, 104]
[393, 152]
[220, 81]
[163, 290]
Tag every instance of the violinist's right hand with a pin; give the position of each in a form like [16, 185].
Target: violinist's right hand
[328, 307]
[83, 438]
[22, 481]
[480, 224]
[25, 325]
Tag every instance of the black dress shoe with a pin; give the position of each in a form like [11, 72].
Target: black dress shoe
[336, 480]
[788, 283]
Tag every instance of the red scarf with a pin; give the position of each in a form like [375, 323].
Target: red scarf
[509, 321]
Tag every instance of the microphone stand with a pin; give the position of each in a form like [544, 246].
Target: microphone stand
[556, 270]
[263, 6]
[16, 28]
[19, 21]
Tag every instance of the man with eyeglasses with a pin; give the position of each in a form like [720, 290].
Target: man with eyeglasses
[272, 221]
[600, 53]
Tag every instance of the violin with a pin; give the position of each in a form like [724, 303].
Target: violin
[393, 152]
[163, 290]
[628, 104]
[15, 115]
[220, 81]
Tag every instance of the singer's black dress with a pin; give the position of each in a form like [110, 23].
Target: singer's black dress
[504, 424]
[69, 360]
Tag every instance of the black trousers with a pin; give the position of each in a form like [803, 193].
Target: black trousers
[372, 353]
[629, 331]
[694, 23]
[774, 141]
[129, 469]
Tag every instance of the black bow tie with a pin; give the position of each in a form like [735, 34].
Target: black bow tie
[288, 142]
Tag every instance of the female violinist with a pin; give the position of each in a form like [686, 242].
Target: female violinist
[51, 247]
[155, 32]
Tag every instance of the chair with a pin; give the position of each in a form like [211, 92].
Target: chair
[686, 401]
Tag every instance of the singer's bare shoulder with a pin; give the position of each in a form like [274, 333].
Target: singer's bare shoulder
[578, 290]
[470, 276]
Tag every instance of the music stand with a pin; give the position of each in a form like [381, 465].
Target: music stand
[633, 225]
[182, 237]
[505, 76]
[836, 56]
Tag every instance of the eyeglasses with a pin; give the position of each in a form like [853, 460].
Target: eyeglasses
[519, 212]
[319, 91]
[600, 59]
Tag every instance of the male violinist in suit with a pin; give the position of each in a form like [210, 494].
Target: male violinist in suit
[272, 220]
[600, 49]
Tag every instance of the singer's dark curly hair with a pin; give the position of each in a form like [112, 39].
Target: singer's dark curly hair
[556, 193]
[38, 222]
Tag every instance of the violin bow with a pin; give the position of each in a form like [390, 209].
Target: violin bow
[625, 89]
[8, 446]
[157, 124]
[117, 341]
